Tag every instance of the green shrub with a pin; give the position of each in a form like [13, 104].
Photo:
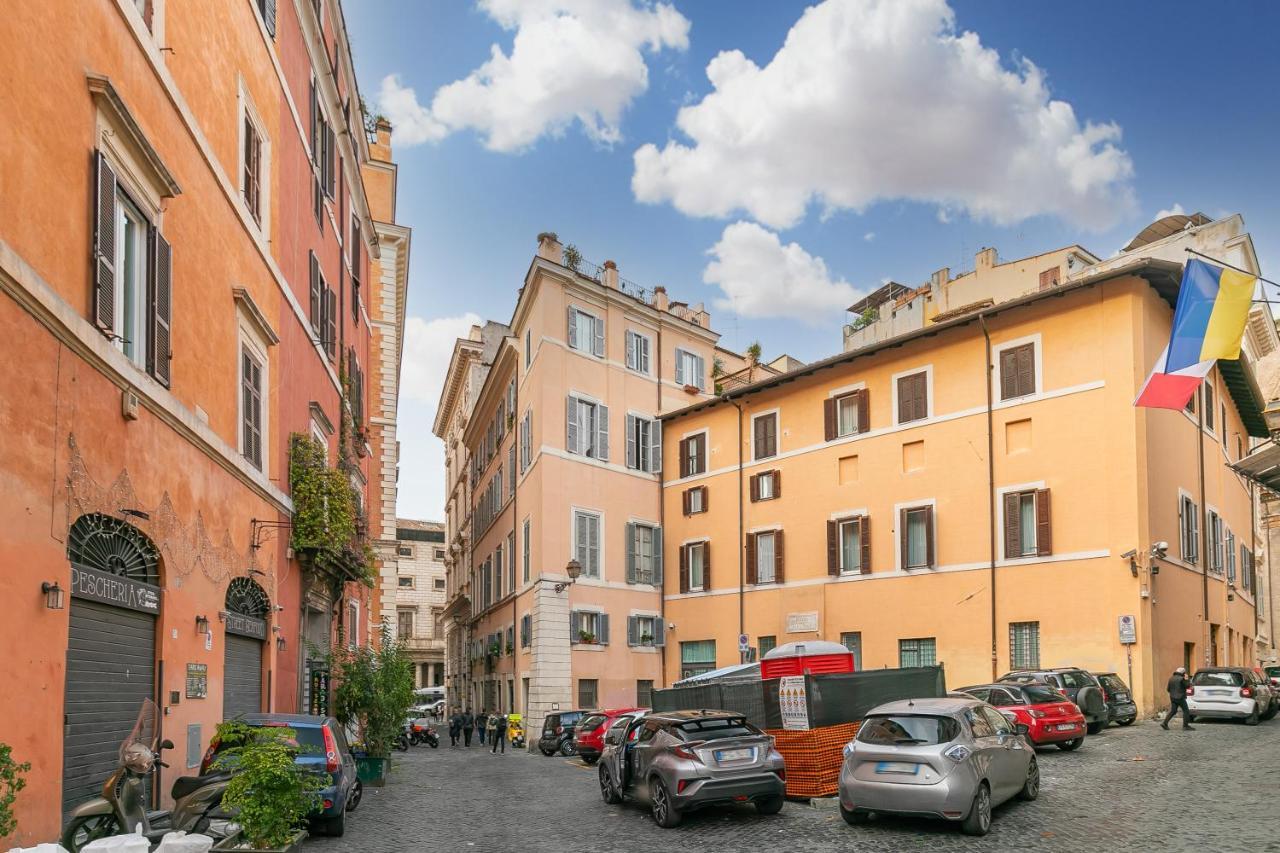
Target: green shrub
[374, 692]
[271, 793]
[11, 782]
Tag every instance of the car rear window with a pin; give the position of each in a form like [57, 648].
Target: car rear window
[1112, 682]
[1222, 679]
[716, 729]
[893, 729]
[1076, 679]
[1039, 694]
[591, 722]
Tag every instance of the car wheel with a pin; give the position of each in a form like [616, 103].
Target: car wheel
[978, 820]
[1094, 728]
[589, 760]
[353, 799]
[334, 827]
[608, 791]
[1271, 712]
[1031, 785]
[83, 830]
[1071, 745]
[547, 752]
[772, 805]
[567, 749]
[1127, 721]
[1252, 719]
[664, 810]
[853, 817]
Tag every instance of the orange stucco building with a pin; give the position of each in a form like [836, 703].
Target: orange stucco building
[185, 262]
[892, 499]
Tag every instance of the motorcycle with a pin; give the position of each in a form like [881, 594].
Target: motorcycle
[420, 733]
[122, 808]
[401, 743]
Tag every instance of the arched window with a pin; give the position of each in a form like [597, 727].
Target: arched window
[107, 544]
[245, 597]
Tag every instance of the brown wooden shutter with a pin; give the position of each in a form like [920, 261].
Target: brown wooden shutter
[1026, 365]
[104, 245]
[928, 536]
[758, 431]
[779, 561]
[751, 558]
[684, 457]
[1044, 527]
[684, 501]
[777, 483]
[1008, 374]
[902, 536]
[684, 568]
[755, 487]
[706, 565]
[864, 409]
[1012, 526]
[160, 351]
[906, 388]
[829, 418]
[864, 528]
[701, 441]
[833, 547]
[706, 505]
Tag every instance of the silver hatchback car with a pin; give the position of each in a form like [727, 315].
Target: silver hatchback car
[683, 760]
[949, 758]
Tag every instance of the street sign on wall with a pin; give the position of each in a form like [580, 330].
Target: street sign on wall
[1128, 630]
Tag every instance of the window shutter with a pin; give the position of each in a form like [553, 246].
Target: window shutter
[755, 487]
[160, 351]
[679, 368]
[633, 631]
[928, 536]
[317, 297]
[573, 330]
[902, 536]
[575, 625]
[706, 566]
[684, 568]
[779, 561]
[330, 151]
[1012, 526]
[684, 457]
[657, 556]
[758, 451]
[1008, 374]
[631, 354]
[751, 558]
[777, 483]
[1026, 364]
[602, 433]
[655, 446]
[632, 459]
[269, 16]
[631, 552]
[602, 635]
[571, 425]
[864, 528]
[864, 409]
[104, 246]
[598, 348]
[1183, 551]
[331, 322]
[315, 140]
[829, 418]
[659, 632]
[685, 498]
[705, 498]
[833, 547]
[904, 399]
[1044, 527]
[701, 366]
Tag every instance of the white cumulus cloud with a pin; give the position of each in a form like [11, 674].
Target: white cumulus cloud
[570, 61]
[428, 345]
[884, 99]
[1176, 210]
[761, 277]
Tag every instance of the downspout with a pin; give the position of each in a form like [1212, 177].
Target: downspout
[1253, 550]
[742, 541]
[517, 542]
[1204, 531]
[662, 518]
[991, 493]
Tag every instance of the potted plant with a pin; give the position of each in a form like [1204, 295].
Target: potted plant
[586, 637]
[646, 639]
[374, 693]
[270, 793]
[11, 782]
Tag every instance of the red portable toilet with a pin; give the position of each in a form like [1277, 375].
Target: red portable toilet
[811, 657]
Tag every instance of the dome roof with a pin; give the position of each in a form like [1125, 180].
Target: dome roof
[1164, 226]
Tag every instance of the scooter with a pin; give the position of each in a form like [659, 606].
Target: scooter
[420, 733]
[122, 807]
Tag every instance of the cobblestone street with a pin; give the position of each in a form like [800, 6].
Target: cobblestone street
[1139, 788]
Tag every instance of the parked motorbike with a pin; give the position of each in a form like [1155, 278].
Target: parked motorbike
[402, 740]
[420, 733]
[122, 808]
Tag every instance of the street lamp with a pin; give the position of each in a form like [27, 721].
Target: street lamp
[573, 569]
[202, 624]
[52, 595]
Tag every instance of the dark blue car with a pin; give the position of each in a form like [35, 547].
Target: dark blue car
[323, 749]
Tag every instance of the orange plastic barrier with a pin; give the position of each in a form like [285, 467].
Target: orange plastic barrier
[814, 758]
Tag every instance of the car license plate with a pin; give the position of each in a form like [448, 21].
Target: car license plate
[1067, 727]
[732, 754]
[897, 767]
[1219, 692]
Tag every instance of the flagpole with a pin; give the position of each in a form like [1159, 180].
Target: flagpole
[1229, 266]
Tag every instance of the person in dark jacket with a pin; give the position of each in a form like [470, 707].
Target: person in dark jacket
[1178, 699]
[468, 723]
[498, 732]
[481, 723]
[455, 727]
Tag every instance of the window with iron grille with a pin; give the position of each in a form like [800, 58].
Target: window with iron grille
[644, 693]
[1024, 645]
[919, 651]
[588, 690]
[852, 640]
[767, 644]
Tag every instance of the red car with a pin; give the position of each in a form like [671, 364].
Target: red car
[1050, 717]
[588, 735]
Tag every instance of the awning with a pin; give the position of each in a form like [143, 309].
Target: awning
[736, 672]
[1262, 466]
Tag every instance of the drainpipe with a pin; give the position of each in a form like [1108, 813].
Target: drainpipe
[991, 493]
[662, 519]
[517, 541]
[742, 542]
[1253, 549]
[1204, 531]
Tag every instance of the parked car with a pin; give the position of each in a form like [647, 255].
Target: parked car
[588, 734]
[1121, 708]
[1080, 687]
[1273, 677]
[1050, 717]
[954, 759]
[323, 749]
[557, 732]
[1230, 692]
[684, 760]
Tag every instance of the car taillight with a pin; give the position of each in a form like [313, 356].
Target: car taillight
[1246, 692]
[1190, 690]
[687, 751]
[782, 774]
[330, 751]
[559, 730]
[681, 785]
[209, 753]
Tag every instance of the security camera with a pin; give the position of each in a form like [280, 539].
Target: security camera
[671, 626]
[1130, 554]
[1160, 549]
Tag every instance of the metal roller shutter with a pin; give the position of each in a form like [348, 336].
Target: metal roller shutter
[241, 676]
[110, 671]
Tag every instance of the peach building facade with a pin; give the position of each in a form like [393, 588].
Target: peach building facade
[560, 455]
[892, 500]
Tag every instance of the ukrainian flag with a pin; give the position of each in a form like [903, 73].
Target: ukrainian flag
[1213, 307]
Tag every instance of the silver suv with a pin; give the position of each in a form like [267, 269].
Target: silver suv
[955, 759]
[683, 760]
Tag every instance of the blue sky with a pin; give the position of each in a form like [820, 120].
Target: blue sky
[873, 140]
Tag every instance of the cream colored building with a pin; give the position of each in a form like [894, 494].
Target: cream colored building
[420, 597]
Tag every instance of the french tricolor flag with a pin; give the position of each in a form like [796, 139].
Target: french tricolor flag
[1172, 390]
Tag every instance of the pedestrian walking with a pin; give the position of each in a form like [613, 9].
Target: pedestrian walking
[1178, 699]
[482, 721]
[455, 727]
[498, 732]
[468, 724]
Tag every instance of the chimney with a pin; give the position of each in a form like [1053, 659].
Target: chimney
[940, 278]
[985, 259]
[382, 139]
[610, 277]
[660, 300]
[549, 247]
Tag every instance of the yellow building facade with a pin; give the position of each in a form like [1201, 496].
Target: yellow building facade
[891, 499]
